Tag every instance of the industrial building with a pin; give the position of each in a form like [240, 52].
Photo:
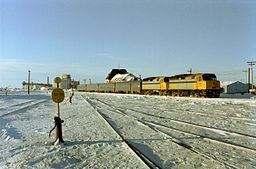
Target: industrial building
[35, 86]
[234, 87]
[67, 82]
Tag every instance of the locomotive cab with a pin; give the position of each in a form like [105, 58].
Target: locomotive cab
[209, 77]
[209, 84]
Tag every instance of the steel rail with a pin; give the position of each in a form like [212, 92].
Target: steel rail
[146, 160]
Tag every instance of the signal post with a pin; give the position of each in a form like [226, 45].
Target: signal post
[58, 96]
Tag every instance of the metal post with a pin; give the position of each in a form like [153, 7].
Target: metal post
[251, 63]
[58, 110]
[252, 76]
[140, 83]
[58, 97]
[249, 77]
[28, 80]
[59, 138]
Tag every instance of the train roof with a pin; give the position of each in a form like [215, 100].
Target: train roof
[183, 76]
[192, 76]
[154, 78]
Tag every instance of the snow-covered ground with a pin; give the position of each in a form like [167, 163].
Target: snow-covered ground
[172, 132]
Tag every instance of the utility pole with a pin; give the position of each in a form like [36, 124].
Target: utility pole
[190, 71]
[251, 63]
[249, 79]
[28, 80]
[245, 71]
[140, 83]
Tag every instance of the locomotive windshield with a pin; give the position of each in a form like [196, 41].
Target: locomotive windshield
[209, 77]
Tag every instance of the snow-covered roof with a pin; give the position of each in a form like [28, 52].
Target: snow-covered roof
[120, 75]
[115, 72]
[123, 77]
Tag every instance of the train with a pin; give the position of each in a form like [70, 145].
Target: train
[187, 85]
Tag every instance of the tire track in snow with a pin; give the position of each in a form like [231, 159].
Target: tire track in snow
[15, 105]
[24, 106]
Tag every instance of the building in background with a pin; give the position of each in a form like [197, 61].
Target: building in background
[65, 81]
[234, 87]
[36, 86]
[120, 75]
[74, 84]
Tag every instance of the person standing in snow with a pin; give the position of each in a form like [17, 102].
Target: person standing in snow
[70, 96]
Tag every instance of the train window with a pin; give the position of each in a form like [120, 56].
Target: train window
[209, 77]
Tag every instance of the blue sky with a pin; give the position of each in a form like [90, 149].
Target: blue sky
[87, 38]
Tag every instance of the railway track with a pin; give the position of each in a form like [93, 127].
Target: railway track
[161, 122]
[220, 130]
[143, 157]
[221, 117]
[199, 126]
[181, 143]
[201, 114]
[155, 124]
[189, 147]
[216, 134]
[171, 138]
[21, 107]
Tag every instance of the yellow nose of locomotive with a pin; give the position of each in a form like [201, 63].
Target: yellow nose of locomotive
[209, 84]
[212, 84]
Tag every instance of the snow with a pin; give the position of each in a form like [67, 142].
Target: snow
[123, 77]
[171, 131]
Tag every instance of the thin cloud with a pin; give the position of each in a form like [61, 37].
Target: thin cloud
[18, 65]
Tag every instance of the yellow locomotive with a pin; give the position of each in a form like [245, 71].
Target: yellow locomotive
[195, 85]
[198, 85]
[155, 85]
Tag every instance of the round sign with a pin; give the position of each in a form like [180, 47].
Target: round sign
[57, 80]
[58, 95]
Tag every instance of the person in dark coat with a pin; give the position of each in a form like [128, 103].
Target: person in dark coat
[70, 97]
